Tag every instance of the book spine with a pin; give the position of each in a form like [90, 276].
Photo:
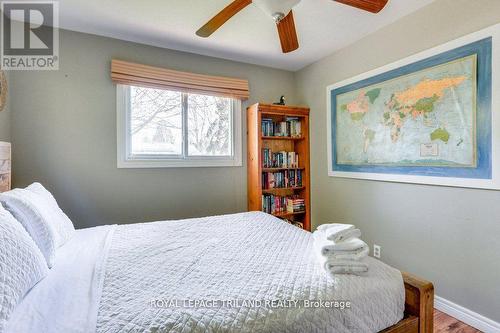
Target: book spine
[291, 127]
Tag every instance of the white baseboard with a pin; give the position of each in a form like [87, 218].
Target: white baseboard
[467, 316]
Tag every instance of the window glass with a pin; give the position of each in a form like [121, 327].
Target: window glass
[155, 122]
[209, 125]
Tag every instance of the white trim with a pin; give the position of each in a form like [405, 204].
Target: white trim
[493, 183]
[121, 124]
[469, 317]
[123, 144]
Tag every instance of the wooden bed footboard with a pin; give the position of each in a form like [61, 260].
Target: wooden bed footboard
[419, 307]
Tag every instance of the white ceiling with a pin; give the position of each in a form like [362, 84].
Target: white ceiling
[323, 26]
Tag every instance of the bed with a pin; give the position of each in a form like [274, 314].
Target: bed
[247, 272]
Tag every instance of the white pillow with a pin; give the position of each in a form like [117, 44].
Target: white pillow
[41, 217]
[62, 224]
[22, 265]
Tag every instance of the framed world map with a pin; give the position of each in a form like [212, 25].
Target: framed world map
[424, 119]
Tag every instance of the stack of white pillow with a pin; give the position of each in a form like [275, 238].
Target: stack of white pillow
[32, 228]
[339, 249]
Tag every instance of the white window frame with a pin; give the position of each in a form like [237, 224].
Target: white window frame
[126, 160]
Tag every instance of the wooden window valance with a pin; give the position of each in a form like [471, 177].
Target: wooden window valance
[123, 72]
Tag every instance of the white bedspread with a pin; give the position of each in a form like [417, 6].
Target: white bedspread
[245, 257]
[105, 279]
[67, 300]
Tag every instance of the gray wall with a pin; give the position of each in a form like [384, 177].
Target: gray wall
[64, 135]
[447, 235]
[63, 131]
[5, 114]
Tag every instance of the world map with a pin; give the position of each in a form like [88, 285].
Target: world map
[426, 118]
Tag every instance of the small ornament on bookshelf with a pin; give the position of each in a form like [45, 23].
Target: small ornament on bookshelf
[281, 102]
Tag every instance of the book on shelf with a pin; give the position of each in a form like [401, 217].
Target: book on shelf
[282, 159]
[275, 204]
[294, 205]
[282, 179]
[295, 223]
[290, 127]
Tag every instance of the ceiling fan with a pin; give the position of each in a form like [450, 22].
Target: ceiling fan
[281, 12]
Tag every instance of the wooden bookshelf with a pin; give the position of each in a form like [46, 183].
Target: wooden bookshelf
[279, 169]
[300, 145]
[282, 138]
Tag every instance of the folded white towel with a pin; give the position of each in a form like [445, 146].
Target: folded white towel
[336, 236]
[346, 267]
[339, 250]
[350, 249]
[336, 266]
[337, 232]
[337, 226]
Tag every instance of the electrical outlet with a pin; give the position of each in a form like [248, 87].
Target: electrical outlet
[377, 251]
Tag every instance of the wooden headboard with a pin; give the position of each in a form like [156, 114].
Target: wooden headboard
[5, 166]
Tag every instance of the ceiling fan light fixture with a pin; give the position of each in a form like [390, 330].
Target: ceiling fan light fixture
[278, 17]
[281, 11]
[276, 8]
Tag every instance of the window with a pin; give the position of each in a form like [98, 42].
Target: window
[166, 128]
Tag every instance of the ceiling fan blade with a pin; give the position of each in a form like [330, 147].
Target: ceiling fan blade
[373, 6]
[288, 34]
[222, 17]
